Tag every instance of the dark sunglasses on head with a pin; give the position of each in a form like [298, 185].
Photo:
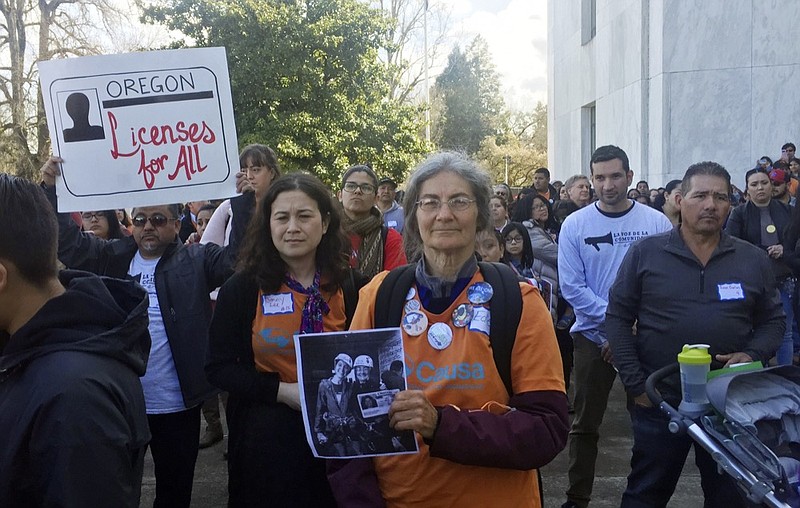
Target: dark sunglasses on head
[156, 220]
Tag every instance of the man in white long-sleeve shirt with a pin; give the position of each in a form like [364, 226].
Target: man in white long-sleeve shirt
[592, 244]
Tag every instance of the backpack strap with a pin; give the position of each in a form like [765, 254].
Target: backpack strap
[391, 296]
[350, 287]
[503, 328]
[505, 317]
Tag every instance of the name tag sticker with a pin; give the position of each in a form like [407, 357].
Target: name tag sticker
[391, 224]
[481, 320]
[730, 291]
[282, 303]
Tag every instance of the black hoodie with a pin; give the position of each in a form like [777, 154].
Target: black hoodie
[73, 425]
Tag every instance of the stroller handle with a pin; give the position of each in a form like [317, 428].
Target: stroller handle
[655, 378]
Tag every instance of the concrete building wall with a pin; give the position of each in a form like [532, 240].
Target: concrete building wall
[672, 82]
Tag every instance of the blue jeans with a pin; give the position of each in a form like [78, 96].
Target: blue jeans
[657, 462]
[786, 349]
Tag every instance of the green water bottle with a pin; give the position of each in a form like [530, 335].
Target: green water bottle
[695, 363]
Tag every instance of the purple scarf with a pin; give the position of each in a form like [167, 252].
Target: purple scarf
[315, 306]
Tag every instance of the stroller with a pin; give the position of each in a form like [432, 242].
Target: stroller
[752, 430]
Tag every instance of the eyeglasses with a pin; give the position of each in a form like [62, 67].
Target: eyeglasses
[514, 239]
[92, 215]
[455, 204]
[366, 188]
[538, 207]
[156, 220]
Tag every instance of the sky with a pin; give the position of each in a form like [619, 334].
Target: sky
[516, 32]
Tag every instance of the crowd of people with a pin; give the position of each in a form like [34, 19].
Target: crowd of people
[512, 299]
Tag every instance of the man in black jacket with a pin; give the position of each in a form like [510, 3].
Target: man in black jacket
[72, 348]
[695, 283]
[178, 280]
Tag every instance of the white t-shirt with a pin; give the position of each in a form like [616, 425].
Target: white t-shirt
[162, 390]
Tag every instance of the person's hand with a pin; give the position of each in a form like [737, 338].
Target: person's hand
[642, 400]
[193, 238]
[289, 394]
[321, 438]
[242, 184]
[734, 358]
[411, 410]
[50, 171]
[605, 352]
[775, 251]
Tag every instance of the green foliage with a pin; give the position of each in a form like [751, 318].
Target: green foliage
[467, 103]
[523, 142]
[306, 79]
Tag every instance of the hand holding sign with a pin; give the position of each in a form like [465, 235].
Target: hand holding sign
[50, 171]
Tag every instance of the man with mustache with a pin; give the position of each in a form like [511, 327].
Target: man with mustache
[695, 282]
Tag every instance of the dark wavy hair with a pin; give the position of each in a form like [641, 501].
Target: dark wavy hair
[527, 249]
[260, 258]
[524, 211]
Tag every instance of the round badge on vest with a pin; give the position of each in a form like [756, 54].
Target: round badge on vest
[771, 229]
[440, 336]
[411, 306]
[412, 292]
[462, 315]
[480, 293]
[414, 323]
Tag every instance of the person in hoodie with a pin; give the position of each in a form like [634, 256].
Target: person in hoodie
[72, 347]
[178, 280]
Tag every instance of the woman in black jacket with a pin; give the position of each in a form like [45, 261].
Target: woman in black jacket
[290, 280]
[763, 222]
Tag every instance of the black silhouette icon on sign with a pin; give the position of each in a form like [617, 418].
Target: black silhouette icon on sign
[78, 109]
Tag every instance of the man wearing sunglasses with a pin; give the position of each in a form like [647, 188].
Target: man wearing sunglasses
[178, 280]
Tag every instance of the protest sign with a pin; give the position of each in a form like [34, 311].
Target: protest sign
[141, 129]
[345, 392]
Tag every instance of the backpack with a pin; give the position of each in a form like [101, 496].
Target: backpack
[391, 298]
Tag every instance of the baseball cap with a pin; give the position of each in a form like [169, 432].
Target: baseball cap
[778, 176]
[388, 180]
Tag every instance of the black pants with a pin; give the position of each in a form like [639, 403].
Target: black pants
[176, 437]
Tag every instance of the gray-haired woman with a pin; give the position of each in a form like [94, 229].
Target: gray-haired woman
[479, 445]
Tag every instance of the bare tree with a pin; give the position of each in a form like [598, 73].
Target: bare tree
[32, 31]
[405, 55]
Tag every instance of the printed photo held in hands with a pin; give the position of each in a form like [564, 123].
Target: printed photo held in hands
[348, 381]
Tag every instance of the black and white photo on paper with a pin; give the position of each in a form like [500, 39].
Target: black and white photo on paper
[348, 381]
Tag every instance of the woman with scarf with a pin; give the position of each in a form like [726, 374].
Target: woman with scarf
[375, 248]
[290, 279]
